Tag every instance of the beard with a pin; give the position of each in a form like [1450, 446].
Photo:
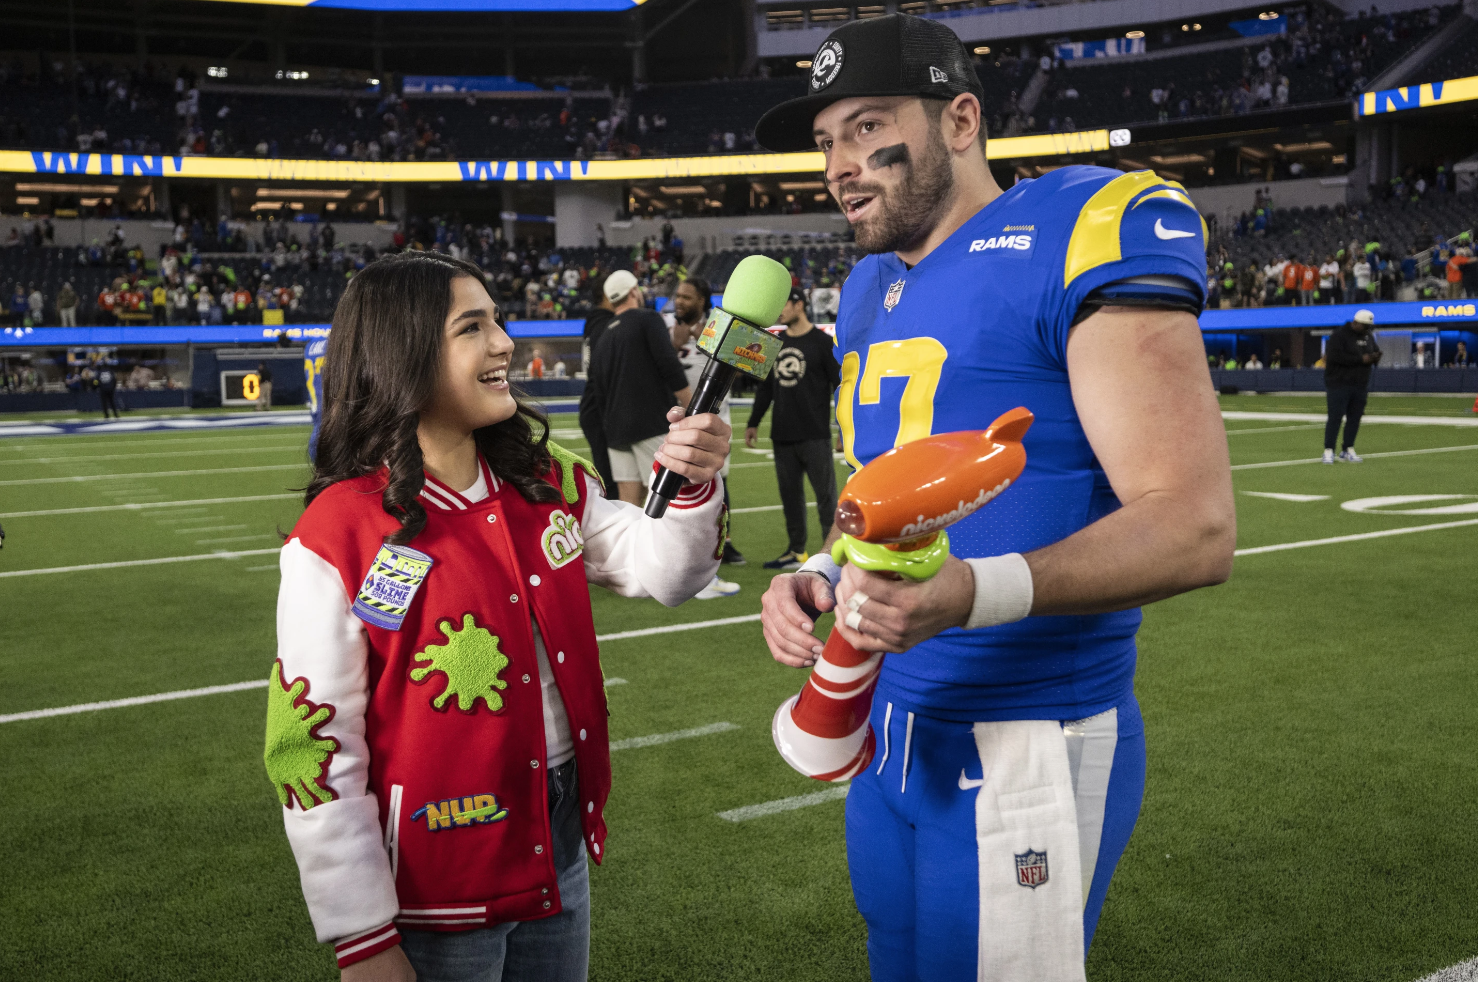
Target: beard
[909, 210]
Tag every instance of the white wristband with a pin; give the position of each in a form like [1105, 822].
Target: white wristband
[1003, 590]
[822, 563]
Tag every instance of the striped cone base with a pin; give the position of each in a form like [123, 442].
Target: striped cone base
[823, 733]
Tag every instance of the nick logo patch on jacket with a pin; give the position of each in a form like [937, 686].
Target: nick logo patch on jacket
[390, 585]
[451, 813]
[562, 541]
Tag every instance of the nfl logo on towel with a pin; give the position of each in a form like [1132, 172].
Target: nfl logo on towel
[1031, 869]
[891, 300]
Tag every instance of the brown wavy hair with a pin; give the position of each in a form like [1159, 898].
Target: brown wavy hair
[380, 371]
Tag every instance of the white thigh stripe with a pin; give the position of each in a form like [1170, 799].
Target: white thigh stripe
[1090, 753]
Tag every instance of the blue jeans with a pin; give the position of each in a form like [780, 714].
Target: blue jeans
[551, 949]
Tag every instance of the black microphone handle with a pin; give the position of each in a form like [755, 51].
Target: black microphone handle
[712, 387]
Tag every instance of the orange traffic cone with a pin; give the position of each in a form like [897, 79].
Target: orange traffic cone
[1475, 405]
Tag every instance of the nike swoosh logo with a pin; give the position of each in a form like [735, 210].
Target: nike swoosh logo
[1161, 232]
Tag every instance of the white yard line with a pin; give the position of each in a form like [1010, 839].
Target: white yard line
[1242, 416]
[120, 439]
[1358, 537]
[121, 477]
[211, 528]
[163, 453]
[1368, 456]
[221, 554]
[260, 569]
[673, 628]
[88, 707]
[1275, 429]
[236, 538]
[784, 804]
[1462, 972]
[139, 506]
[635, 743]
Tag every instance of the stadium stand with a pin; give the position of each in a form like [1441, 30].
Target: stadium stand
[1457, 59]
[1325, 59]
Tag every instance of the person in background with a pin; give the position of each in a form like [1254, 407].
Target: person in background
[1364, 288]
[313, 358]
[106, 381]
[805, 376]
[1460, 356]
[36, 306]
[1292, 275]
[66, 305]
[691, 301]
[1349, 355]
[1253, 363]
[160, 297]
[595, 435]
[264, 385]
[1308, 279]
[1277, 360]
[636, 378]
[536, 365]
[1329, 280]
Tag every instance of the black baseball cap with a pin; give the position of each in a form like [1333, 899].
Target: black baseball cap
[897, 54]
[797, 295]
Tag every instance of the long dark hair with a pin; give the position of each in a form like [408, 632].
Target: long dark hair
[380, 371]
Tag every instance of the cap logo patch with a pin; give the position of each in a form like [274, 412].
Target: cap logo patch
[826, 65]
[935, 75]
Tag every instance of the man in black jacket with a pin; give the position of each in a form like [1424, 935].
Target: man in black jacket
[595, 434]
[635, 377]
[801, 385]
[1349, 355]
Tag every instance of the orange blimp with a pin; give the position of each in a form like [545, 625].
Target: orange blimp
[892, 514]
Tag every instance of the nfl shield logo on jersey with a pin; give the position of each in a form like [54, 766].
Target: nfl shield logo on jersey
[891, 300]
[1031, 869]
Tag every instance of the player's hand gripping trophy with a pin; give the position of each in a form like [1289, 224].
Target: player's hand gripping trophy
[892, 514]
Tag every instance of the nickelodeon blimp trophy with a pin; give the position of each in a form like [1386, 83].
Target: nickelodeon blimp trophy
[892, 514]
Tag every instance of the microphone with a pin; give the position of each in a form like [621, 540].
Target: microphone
[736, 340]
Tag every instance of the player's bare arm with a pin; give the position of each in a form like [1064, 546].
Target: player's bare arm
[1142, 390]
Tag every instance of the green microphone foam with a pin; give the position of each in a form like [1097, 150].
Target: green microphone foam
[757, 290]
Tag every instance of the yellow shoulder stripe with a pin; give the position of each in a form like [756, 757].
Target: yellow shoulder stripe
[1095, 238]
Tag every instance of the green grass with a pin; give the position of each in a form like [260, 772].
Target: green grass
[1310, 796]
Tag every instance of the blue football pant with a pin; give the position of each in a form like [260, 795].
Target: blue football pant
[912, 835]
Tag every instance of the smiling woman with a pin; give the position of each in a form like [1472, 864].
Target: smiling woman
[418, 355]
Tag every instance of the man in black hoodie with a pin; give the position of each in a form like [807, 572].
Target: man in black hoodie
[1349, 355]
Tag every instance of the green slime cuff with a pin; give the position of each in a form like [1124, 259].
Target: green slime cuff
[914, 564]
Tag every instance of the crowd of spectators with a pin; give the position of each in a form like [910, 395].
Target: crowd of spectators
[1322, 57]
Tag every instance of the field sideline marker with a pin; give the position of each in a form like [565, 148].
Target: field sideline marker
[139, 506]
[635, 743]
[1461, 972]
[784, 804]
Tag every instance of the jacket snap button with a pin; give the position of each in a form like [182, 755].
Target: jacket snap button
[525, 678]
[492, 519]
[546, 905]
[534, 764]
[513, 599]
[582, 734]
[596, 847]
[534, 580]
[561, 657]
[538, 850]
[545, 891]
[589, 807]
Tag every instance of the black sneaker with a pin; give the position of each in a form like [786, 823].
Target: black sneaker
[733, 556]
[787, 560]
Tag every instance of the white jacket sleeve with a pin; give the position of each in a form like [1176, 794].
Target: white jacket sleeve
[337, 838]
[669, 558]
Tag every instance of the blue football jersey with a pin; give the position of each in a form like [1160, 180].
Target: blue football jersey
[313, 374]
[978, 327]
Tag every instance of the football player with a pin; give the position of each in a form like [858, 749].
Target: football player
[1011, 752]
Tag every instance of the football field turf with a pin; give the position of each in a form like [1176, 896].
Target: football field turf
[1312, 785]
